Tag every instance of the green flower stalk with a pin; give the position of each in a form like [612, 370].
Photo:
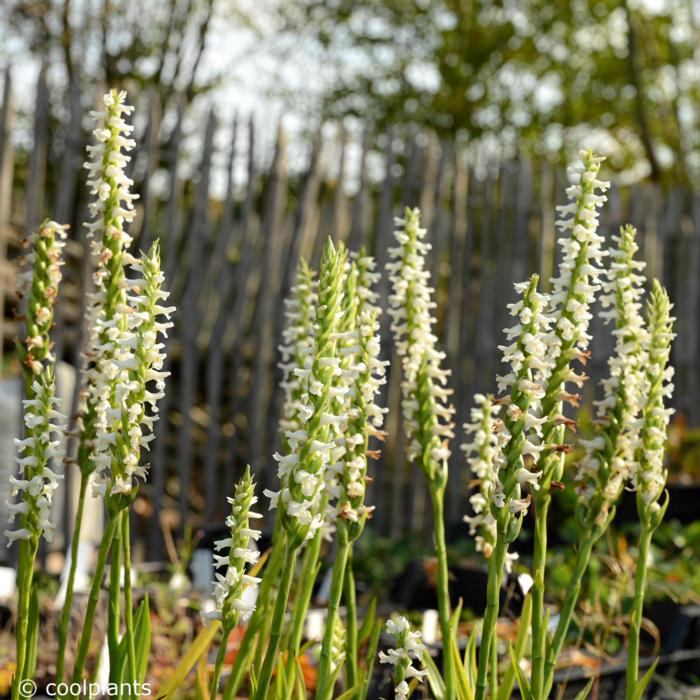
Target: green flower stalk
[573, 291]
[296, 352]
[409, 647]
[519, 447]
[124, 377]
[427, 415]
[232, 589]
[38, 283]
[609, 455]
[649, 476]
[360, 347]
[301, 498]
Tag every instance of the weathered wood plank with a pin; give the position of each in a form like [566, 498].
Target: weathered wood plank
[7, 163]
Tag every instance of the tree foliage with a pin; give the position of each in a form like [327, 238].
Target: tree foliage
[532, 74]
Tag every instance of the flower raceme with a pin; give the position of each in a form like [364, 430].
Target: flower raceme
[520, 439]
[232, 604]
[609, 454]
[38, 283]
[137, 361]
[37, 481]
[302, 468]
[409, 647]
[427, 415]
[481, 453]
[107, 308]
[573, 292]
[297, 345]
[649, 477]
[364, 416]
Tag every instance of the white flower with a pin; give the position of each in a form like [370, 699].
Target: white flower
[233, 602]
[409, 647]
[411, 308]
[37, 451]
[608, 456]
[649, 476]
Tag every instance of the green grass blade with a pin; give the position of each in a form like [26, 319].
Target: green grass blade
[437, 685]
[644, 682]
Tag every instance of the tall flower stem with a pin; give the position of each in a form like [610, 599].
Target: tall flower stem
[351, 657]
[640, 582]
[255, 630]
[488, 629]
[93, 600]
[573, 590]
[260, 622]
[70, 584]
[307, 579]
[539, 564]
[326, 675]
[290, 558]
[114, 602]
[219, 664]
[443, 593]
[29, 550]
[128, 598]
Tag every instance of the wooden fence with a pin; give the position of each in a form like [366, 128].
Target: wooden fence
[230, 262]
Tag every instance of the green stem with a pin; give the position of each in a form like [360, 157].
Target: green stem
[488, 628]
[493, 683]
[539, 630]
[573, 590]
[640, 581]
[309, 573]
[262, 618]
[113, 606]
[70, 584]
[325, 675]
[128, 599]
[351, 657]
[218, 667]
[241, 663]
[443, 592]
[290, 557]
[28, 550]
[93, 599]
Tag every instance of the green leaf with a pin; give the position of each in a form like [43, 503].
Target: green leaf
[116, 674]
[142, 634]
[523, 682]
[300, 682]
[506, 689]
[464, 687]
[644, 682]
[585, 691]
[349, 693]
[367, 624]
[470, 665]
[370, 656]
[437, 685]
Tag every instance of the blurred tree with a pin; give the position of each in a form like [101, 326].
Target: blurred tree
[513, 74]
[156, 45]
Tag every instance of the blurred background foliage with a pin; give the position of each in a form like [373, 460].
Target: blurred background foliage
[509, 77]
